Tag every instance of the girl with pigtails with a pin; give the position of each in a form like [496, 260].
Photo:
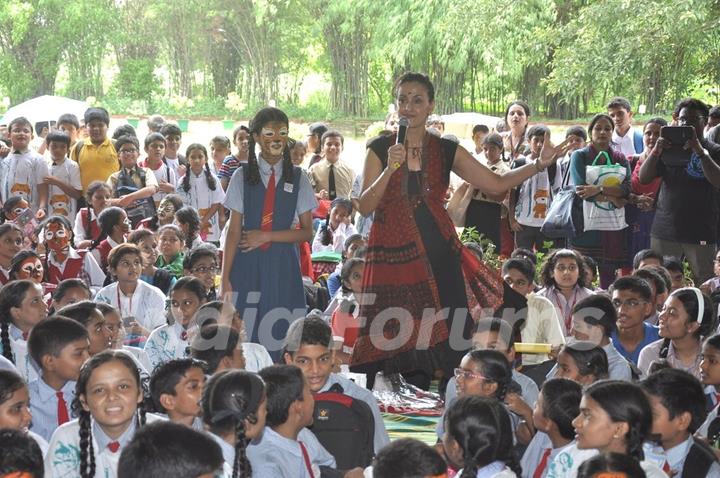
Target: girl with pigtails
[615, 416]
[479, 439]
[261, 266]
[109, 406]
[200, 189]
[234, 410]
[21, 307]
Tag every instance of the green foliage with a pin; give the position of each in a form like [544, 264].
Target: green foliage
[136, 80]
[490, 255]
[566, 57]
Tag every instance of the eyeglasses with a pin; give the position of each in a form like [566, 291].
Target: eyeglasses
[204, 269]
[467, 374]
[630, 303]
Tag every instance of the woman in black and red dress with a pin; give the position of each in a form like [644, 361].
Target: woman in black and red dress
[415, 261]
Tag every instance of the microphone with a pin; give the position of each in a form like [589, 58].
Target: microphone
[403, 124]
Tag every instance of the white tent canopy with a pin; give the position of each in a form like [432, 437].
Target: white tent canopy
[45, 108]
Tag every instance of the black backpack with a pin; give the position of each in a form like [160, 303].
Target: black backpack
[345, 427]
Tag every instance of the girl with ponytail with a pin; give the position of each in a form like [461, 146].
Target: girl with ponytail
[234, 409]
[615, 416]
[109, 408]
[21, 308]
[114, 226]
[479, 439]
[200, 190]
[261, 247]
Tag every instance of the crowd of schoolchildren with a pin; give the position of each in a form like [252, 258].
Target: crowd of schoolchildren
[120, 358]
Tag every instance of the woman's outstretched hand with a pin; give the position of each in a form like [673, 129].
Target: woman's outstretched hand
[550, 153]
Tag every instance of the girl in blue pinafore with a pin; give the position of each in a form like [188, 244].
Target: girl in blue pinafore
[261, 266]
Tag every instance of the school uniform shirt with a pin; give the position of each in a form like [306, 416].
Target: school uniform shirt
[59, 203]
[704, 429]
[42, 443]
[357, 392]
[20, 174]
[363, 224]
[542, 326]
[339, 235]
[625, 144]
[80, 231]
[275, 456]
[165, 174]
[566, 462]
[496, 469]
[676, 457]
[533, 199]
[147, 303]
[4, 275]
[63, 457]
[319, 174]
[534, 454]
[44, 405]
[228, 453]
[651, 335]
[564, 306]
[651, 352]
[167, 343]
[25, 365]
[202, 198]
[133, 174]
[256, 357]
[91, 273]
[234, 198]
[138, 356]
[618, 366]
[6, 364]
[97, 253]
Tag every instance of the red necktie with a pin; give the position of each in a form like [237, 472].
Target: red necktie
[306, 458]
[666, 468]
[25, 336]
[62, 409]
[543, 464]
[268, 207]
[183, 335]
[114, 446]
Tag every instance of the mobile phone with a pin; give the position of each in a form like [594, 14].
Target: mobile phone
[676, 155]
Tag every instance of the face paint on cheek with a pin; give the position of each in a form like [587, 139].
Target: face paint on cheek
[273, 141]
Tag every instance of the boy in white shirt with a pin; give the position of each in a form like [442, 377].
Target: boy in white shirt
[64, 186]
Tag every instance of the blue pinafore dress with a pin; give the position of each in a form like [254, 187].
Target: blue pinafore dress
[268, 283]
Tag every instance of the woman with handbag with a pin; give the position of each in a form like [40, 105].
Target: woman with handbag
[602, 178]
